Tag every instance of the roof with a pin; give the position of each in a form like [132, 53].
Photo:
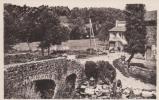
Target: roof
[151, 15]
[118, 29]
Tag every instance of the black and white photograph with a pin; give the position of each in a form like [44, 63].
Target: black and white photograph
[79, 49]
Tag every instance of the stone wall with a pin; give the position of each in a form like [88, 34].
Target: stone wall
[143, 74]
[147, 75]
[18, 76]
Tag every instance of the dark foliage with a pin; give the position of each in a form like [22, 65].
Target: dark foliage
[91, 70]
[136, 70]
[106, 71]
[29, 24]
[101, 70]
[135, 29]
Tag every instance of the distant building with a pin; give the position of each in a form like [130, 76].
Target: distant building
[151, 37]
[64, 21]
[117, 39]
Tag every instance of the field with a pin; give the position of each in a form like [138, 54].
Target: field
[82, 44]
[76, 45]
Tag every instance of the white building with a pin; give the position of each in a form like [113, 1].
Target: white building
[117, 39]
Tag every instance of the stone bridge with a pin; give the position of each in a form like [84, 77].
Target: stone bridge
[51, 78]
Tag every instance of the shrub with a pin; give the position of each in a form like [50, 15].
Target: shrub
[91, 50]
[91, 69]
[106, 71]
[81, 56]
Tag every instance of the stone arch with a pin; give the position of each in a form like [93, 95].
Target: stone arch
[45, 88]
[70, 82]
[71, 79]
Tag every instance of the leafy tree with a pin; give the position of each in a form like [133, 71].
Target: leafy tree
[77, 26]
[50, 29]
[56, 35]
[103, 34]
[28, 25]
[10, 29]
[75, 33]
[135, 29]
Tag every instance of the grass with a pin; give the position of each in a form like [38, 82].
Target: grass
[81, 44]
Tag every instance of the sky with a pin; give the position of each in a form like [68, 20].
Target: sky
[120, 4]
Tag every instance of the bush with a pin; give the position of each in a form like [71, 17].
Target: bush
[106, 71]
[91, 51]
[81, 56]
[91, 69]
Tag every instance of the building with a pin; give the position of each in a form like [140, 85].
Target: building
[151, 38]
[117, 39]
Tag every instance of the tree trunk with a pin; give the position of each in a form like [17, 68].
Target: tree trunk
[130, 58]
[29, 45]
[42, 51]
[48, 51]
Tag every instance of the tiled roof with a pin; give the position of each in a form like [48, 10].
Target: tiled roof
[118, 29]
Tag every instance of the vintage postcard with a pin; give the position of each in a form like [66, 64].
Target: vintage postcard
[79, 49]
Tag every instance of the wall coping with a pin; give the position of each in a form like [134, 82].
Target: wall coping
[31, 62]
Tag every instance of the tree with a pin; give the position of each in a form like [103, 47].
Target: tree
[135, 29]
[56, 35]
[50, 29]
[27, 25]
[103, 34]
[10, 29]
[77, 27]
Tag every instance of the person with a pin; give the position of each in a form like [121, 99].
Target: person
[119, 89]
[119, 49]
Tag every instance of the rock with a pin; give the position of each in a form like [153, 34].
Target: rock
[147, 94]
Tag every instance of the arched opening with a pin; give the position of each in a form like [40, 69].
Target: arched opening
[70, 80]
[69, 85]
[45, 88]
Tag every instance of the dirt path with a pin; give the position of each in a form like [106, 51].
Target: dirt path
[127, 82]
